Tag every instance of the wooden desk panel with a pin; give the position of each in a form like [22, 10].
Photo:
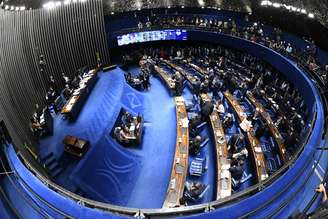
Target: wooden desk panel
[223, 176]
[199, 69]
[165, 77]
[79, 96]
[253, 142]
[272, 127]
[180, 165]
[184, 73]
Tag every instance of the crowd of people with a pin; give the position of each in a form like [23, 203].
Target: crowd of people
[240, 74]
[54, 92]
[255, 32]
[129, 129]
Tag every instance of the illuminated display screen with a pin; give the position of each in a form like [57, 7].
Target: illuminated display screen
[140, 37]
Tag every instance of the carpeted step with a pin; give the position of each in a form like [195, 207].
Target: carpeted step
[47, 157]
[49, 161]
[52, 166]
[56, 172]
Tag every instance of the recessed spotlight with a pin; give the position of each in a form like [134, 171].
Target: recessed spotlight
[311, 15]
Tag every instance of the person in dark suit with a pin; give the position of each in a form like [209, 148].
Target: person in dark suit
[178, 79]
[227, 121]
[194, 145]
[206, 109]
[196, 86]
[237, 170]
[52, 83]
[193, 123]
[67, 92]
[235, 142]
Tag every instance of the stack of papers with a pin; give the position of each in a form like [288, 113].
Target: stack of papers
[185, 122]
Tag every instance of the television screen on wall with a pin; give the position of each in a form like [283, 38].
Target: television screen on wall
[147, 36]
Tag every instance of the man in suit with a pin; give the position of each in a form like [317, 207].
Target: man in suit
[194, 145]
[206, 109]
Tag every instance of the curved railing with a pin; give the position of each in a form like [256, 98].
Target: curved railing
[298, 166]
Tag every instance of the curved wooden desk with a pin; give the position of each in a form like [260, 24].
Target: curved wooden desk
[223, 175]
[253, 142]
[165, 77]
[273, 129]
[183, 72]
[199, 69]
[180, 165]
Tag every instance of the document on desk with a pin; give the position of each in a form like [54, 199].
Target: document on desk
[258, 149]
[225, 174]
[185, 122]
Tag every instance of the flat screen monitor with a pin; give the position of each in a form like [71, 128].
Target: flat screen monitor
[147, 36]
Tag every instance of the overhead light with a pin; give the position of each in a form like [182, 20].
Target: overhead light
[303, 11]
[203, 7]
[83, 0]
[17, 9]
[201, 2]
[67, 2]
[74, 1]
[49, 5]
[276, 5]
[12, 7]
[182, 6]
[169, 6]
[22, 8]
[264, 3]
[311, 15]
[57, 4]
[7, 7]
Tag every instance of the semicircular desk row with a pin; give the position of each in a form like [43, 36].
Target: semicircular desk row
[259, 204]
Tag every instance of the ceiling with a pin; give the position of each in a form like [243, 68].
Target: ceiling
[318, 7]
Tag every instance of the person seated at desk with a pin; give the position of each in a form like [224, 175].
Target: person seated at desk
[127, 118]
[196, 86]
[219, 107]
[38, 111]
[123, 135]
[204, 86]
[76, 82]
[246, 124]
[237, 170]
[291, 141]
[36, 127]
[65, 79]
[227, 121]
[260, 128]
[194, 190]
[206, 109]
[144, 76]
[178, 83]
[50, 98]
[67, 92]
[236, 141]
[194, 145]
[52, 82]
[193, 123]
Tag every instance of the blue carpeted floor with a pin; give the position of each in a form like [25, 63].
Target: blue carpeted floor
[109, 172]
